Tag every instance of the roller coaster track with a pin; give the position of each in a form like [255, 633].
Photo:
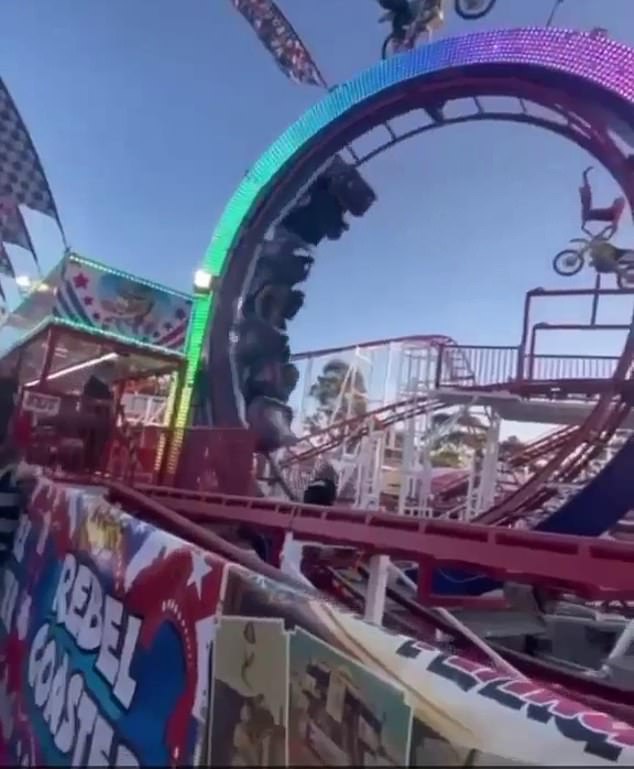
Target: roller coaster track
[544, 445]
[577, 462]
[599, 427]
[333, 435]
[525, 456]
[417, 620]
[577, 564]
[566, 441]
[357, 427]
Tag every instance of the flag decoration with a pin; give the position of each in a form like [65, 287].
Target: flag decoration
[22, 182]
[6, 267]
[13, 227]
[12, 231]
[281, 40]
[22, 177]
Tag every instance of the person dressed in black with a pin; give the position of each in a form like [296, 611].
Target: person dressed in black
[322, 490]
[402, 16]
[98, 413]
[255, 541]
[15, 485]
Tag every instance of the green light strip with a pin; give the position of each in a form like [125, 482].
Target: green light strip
[128, 276]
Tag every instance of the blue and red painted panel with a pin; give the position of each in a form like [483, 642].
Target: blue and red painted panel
[115, 303]
[106, 632]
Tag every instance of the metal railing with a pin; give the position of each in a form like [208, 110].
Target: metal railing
[495, 365]
[560, 367]
[486, 365]
[81, 441]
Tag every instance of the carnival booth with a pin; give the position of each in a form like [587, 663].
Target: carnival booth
[83, 338]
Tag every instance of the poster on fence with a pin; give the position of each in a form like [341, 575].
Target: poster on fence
[412, 703]
[250, 693]
[106, 633]
[340, 712]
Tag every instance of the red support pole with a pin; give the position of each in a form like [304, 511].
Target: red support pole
[424, 581]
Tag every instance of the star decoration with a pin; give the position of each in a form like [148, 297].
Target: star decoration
[180, 314]
[80, 280]
[88, 300]
[200, 569]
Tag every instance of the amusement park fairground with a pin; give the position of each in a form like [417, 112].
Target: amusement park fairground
[221, 546]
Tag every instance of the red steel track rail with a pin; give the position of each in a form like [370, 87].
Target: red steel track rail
[357, 427]
[525, 456]
[596, 432]
[579, 564]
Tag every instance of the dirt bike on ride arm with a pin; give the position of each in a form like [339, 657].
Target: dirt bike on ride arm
[600, 254]
[596, 248]
[411, 20]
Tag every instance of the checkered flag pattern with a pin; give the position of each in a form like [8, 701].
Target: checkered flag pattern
[6, 268]
[21, 175]
[12, 227]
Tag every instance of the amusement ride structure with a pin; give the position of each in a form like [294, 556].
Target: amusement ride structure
[520, 541]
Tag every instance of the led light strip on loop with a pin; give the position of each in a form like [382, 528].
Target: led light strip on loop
[605, 64]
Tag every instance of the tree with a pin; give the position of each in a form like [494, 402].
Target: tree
[340, 393]
[509, 446]
[446, 457]
[467, 433]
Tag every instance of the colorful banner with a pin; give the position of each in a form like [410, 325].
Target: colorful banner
[109, 301]
[22, 177]
[121, 645]
[359, 694]
[280, 39]
[106, 629]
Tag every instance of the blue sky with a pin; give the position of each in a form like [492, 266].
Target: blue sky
[147, 114]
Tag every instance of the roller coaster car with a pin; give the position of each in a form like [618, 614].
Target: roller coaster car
[318, 215]
[280, 263]
[349, 187]
[285, 240]
[271, 420]
[271, 380]
[258, 340]
[289, 270]
[275, 304]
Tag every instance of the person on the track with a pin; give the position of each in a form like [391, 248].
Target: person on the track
[322, 490]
